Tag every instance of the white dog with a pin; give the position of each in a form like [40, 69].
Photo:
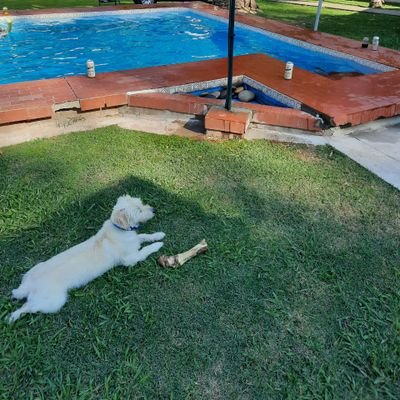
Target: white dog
[45, 286]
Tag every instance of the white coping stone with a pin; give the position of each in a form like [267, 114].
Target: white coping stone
[300, 43]
[288, 101]
[189, 87]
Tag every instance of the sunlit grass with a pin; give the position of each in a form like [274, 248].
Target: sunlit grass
[353, 25]
[361, 3]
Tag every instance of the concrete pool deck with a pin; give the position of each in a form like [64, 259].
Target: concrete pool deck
[375, 145]
[341, 102]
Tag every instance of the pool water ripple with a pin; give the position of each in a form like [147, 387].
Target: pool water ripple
[40, 48]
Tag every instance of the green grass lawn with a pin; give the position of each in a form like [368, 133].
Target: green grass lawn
[360, 3]
[342, 23]
[297, 298]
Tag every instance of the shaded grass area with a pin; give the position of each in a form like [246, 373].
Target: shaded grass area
[343, 23]
[298, 297]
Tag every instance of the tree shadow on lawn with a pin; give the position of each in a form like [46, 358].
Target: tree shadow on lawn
[271, 289]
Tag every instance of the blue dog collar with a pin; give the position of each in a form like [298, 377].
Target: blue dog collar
[131, 228]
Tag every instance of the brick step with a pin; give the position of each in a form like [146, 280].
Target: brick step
[215, 114]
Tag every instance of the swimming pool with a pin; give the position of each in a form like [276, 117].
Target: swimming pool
[49, 46]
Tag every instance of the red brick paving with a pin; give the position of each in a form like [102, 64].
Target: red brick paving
[189, 104]
[26, 101]
[235, 121]
[351, 100]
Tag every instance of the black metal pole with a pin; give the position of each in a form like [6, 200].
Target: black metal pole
[231, 36]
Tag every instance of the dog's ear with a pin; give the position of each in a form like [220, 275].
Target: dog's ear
[121, 218]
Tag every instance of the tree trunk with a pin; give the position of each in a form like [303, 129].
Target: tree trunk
[376, 3]
[248, 6]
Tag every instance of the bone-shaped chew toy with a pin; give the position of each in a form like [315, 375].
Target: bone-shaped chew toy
[179, 259]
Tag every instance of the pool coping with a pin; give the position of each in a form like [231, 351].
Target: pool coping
[348, 101]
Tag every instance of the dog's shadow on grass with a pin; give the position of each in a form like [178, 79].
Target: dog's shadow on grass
[184, 222]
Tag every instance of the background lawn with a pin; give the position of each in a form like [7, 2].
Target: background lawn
[298, 297]
[361, 3]
[342, 23]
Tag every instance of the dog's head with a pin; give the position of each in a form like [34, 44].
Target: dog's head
[130, 212]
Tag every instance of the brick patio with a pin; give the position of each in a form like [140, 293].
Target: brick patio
[350, 100]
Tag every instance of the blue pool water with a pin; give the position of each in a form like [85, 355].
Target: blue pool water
[55, 46]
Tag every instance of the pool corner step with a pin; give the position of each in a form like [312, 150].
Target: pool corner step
[220, 122]
[200, 106]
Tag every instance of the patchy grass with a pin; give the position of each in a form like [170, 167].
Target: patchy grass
[342, 23]
[361, 3]
[298, 297]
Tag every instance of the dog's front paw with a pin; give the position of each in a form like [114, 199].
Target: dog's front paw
[11, 318]
[157, 246]
[159, 236]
